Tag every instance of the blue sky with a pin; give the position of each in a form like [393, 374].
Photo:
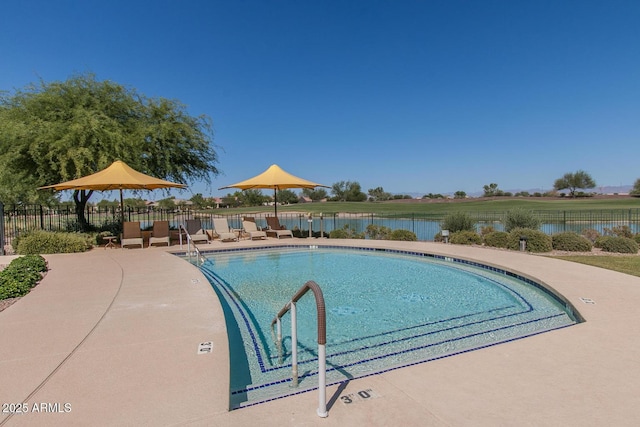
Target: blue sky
[414, 96]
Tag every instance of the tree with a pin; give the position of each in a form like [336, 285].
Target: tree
[348, 191]
[635, 191]
[460, 195]
[287, 197]
[54, 132]
[315, 194]
[573, 181]
[491, 190]
[253, 198]
[198, 201]
[378, 194]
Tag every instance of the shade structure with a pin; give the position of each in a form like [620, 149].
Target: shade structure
[277, 179]
[118, 176]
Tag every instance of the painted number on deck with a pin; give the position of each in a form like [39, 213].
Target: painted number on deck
[359, 396]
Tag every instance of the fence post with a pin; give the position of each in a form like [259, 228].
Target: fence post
[1, 229]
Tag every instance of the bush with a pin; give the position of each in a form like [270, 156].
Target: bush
[520, 218]
[21, 275]
[378, 232]
[537, 241]
[46, 242]
[459, 221]
[571, 241]
[619, 231]
[590, 234]
[637, 238]
[465, 238]
[404, 235]
[345, 233]
[622, 245]
[486, 229]
[600, 241]
[496, 239]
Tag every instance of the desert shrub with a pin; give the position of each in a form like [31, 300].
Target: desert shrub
[622, 245]
[345, 232]
[637, 238]
[520, 218]
[486, 229]
[537, 241]
[571, 241]
[619, 231]
[601, 241]
[438, 237]
[496, 239]
[458, 221]
[590, 234]
[465, 237]
[404, 235]
[378, 232]
[21, 275]
[47, 242]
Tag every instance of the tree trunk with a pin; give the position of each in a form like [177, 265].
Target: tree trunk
[81, 197]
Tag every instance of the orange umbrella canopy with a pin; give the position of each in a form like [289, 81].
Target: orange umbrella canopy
[118, 176]
[275, 178]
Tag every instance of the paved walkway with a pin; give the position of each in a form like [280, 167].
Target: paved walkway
[111, 338]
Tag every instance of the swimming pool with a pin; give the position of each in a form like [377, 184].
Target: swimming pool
[385, 309]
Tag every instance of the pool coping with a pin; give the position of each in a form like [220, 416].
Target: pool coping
[100, 352]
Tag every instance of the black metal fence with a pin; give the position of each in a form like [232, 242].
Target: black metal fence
[20, 219]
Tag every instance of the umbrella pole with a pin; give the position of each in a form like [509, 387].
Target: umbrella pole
[275, 201]
[122, 210]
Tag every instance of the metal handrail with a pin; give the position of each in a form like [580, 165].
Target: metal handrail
[200, 259]
[322, 340]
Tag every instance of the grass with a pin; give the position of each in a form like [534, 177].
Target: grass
[628, 264]
[440, 207]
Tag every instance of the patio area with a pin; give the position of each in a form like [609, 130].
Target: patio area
[112, 337]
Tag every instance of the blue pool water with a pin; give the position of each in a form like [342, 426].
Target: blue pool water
[384, 310]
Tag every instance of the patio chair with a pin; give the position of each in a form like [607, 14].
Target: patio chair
[197, 234]
[251, 228]
[223, 231]
[274, 229]
[160, 233]
[131, 234]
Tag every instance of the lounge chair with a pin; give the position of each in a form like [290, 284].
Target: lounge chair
[251, 228]
[223, 231]
[131, 234]
[274, 229]
[197, 234]
[160, 233]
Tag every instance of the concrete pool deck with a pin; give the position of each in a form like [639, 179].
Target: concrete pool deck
[111, 337]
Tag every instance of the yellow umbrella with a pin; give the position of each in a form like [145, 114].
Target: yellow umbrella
[118, 176]
[275, 178]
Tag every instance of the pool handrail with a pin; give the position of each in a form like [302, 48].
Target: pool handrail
[200, 259]
[322, 340]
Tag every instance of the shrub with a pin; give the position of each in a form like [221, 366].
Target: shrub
[378, 232]
[46, 242]
[571, 241]
[486, 229]
[438, 237]
[404, 235]
[537, 241]
[622, 245]
[465, 238]
[497, 239]
[459, 221]
[637, 238]
[21, 275]
[590, 234]
[619, 231]
[345, 233]
[601, 241]
[520, 218]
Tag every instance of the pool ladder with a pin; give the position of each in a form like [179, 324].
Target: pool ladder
[322, 340]
[190, 243]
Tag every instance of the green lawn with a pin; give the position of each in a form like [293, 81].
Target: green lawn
[624, 264]
[446, 206]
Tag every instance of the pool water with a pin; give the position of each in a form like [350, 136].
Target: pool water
[384, 310]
